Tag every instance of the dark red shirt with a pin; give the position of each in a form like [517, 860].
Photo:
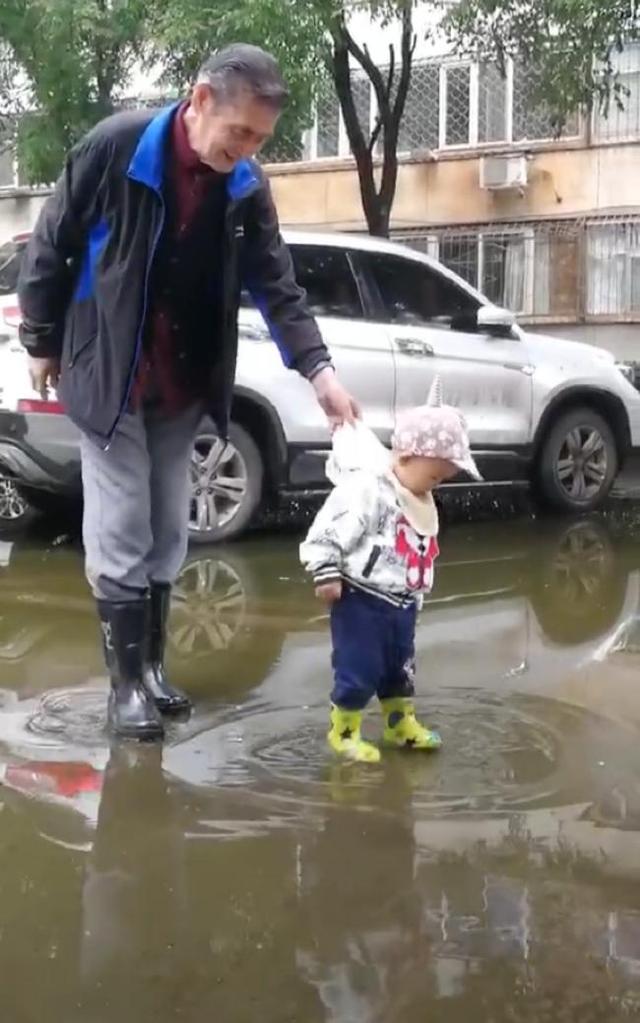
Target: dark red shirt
[190, 180]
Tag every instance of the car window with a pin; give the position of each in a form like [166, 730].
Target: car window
[326, 276]
[413, 294]
[10, 260]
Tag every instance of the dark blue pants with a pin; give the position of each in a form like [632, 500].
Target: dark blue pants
[373, 649]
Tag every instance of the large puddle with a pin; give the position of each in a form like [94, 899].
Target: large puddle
[238, 873]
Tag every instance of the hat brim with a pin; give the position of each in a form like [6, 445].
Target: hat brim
[468, 466]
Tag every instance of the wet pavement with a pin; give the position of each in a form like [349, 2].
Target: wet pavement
[239, 874]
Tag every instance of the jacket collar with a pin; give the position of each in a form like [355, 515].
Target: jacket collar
[148, 161]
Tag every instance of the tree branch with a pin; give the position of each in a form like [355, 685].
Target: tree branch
[375, 134]
[392, 129]
[371, 69]
[341, 74]
[407, 49]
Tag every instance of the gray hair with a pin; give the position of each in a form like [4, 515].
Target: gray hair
[242, 67]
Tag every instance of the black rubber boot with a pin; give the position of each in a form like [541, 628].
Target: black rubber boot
[167, 699]
[132, 711]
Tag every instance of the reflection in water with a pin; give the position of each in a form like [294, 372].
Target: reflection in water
[133, 895]
[351, 912]
[237, 873]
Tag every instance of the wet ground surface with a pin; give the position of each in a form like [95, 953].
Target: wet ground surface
[239, 874]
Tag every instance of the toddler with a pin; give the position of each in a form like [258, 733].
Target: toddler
[371, 552]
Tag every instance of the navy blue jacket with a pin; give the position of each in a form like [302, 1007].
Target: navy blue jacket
[84, 281]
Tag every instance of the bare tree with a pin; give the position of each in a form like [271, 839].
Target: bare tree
[374, 151]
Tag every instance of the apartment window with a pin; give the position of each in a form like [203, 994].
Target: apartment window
[613, 269]
[492, 104]
[559, 271]
[556, 270]
[617, 124]
[449, 106]
[327, 122]
[420, 126]
[457, 105]
[529, 121]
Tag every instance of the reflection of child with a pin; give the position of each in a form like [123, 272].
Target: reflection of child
[371, 551]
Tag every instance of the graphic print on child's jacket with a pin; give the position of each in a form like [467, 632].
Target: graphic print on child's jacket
[418, 553]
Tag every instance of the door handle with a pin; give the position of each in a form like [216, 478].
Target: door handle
[414, 346]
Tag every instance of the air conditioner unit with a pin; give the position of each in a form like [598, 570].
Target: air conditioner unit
[500, 173]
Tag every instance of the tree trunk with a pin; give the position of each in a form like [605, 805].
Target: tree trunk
[376, 203]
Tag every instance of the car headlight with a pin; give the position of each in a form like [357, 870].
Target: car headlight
[628, 371]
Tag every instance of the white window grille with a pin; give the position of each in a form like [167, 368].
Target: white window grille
[455, 105]
[613, 269]
[532, 269]
[450, 105]
[493, 104]
[559, 271]
[420, 126]
[328, 121]
[616, 125]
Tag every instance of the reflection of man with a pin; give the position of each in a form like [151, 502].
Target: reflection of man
[133, 910]
[161, 217]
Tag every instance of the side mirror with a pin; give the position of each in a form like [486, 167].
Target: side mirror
[495, 321]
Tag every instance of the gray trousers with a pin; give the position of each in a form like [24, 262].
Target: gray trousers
[136, 502]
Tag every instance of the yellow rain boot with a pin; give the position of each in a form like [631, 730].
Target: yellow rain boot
[403, 730]
[344, 736]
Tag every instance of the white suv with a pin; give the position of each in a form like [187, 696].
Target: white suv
[560, 415]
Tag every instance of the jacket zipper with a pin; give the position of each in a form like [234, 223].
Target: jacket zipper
[372, 561]
[226, 279]
[226, 299]
[138, 346]
[81, 349]
[229, 234]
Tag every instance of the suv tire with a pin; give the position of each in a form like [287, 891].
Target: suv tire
[16, 511]
[577, 462]
[223, 510]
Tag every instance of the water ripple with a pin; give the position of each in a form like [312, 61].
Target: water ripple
[502, 752]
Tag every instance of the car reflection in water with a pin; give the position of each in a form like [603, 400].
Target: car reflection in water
[192, 892]
[507, 851]
[532, 600]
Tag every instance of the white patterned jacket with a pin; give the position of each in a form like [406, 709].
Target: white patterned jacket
[365, 535]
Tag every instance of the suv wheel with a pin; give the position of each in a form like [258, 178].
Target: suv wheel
[14, 508]
[226, 484]
[578, 591]
[578, 461]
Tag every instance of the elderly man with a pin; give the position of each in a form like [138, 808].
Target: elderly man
[129, 293]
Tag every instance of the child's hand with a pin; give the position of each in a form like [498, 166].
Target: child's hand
[329, 593]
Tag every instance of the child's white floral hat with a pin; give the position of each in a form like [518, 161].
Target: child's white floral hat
[435, 430]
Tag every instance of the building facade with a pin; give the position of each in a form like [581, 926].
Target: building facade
[547, 226]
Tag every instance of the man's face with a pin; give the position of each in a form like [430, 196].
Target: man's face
[224, 132]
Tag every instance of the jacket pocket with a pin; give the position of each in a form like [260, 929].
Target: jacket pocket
[82, 347]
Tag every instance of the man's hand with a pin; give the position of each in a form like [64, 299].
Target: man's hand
[44, 374]
[329, 593]
[336, 403]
